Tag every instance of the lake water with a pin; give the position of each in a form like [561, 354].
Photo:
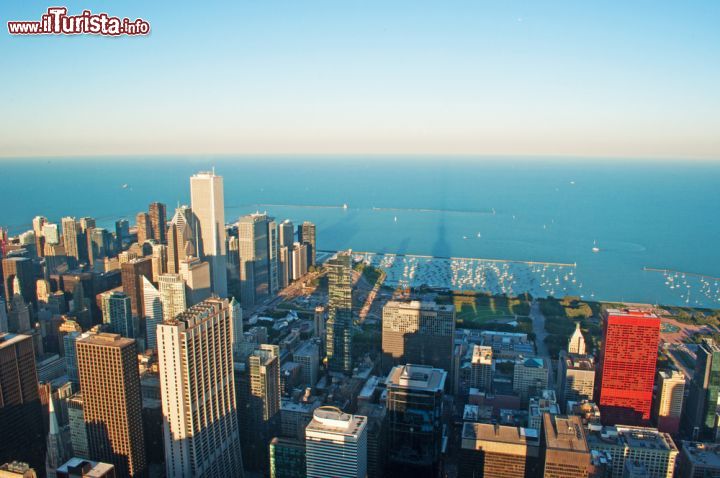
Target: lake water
[663, 215]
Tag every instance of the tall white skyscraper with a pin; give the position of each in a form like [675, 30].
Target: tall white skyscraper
[172, 295]
[153, 313]
[208, 206]
[336, 444]
[197, 385]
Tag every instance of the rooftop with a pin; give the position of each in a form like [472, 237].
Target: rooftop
[579, 362]
[333, 420]
[7, 339]
[499, 433]
[420, 305]
[106, 339]
[422, 377]
[703, 454]
[631, 313]
[632, 437]
[564, 432]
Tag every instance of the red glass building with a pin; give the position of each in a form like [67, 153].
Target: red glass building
[629, 357]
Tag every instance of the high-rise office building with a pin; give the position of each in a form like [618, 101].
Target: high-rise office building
[262, 417]
[132, 273]
[208, 206]
[117, 312]
[698, 460]
[72, 237]
[530, 375]
[668, 406]
[4, 326]
[196, 274]
[159, 260]
[575, 378]
[69, 349]
[629, 358]
[704, 392]
[306, 235]
[647, 446]
[340, 318]
[284, 266]
[180, 238]
[254, 249]
[158, 221]
[308, 356]
[565, 447]
[418, 332]
[20, 316]
[299, 260]
[112, 403]
[122, 232]
[236, 317]
[481, 368]
[576, 344]
[336, 444]
[273, 256]
[78, 429]
[152, 305]
[144, 227]
[22, 268]
[51, 233]
[21, 426]
[202, 437]
[172, 295]
[498, 451]
[99, 244]
[287, 458]
[286, 233]
[415, 405]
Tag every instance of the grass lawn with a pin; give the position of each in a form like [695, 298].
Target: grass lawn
[475, 309]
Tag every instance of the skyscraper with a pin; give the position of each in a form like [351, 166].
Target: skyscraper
[418, 332]
[254, 249]
[208, 205]
[668, 405]
[629, 357]
[273, 253]
[498, 451]
[481, 368]
[299, 261]
[576, 378]
[122, 232]
[144, 227]
[286, 233]
[704, 392]
[172, 295]
[159, 260]
[306, 235]
[336, 444]
[78, 429]
[22, 268]
[576, 344]
[415, 406]
[72, 237]
[287, 458]
[158, 221]
[112, 403]
[262, 418]
[132, 273]
[340, 318]
[236, 317]
[196, 274]
[21, 427]
[202, 437]
[117, 312]
[152, 305]
[180, 236]
[567, 454]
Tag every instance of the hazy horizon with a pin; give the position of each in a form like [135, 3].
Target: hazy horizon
[515, 78]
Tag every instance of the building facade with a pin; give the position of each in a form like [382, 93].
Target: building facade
[340, 316]
[336, 444]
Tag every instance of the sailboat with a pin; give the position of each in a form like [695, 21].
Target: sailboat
[595, 248]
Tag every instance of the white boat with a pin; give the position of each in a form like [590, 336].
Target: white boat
[125, 186]
[595, 248]
[345, 206]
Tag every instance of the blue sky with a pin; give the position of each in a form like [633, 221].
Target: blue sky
[611, 78]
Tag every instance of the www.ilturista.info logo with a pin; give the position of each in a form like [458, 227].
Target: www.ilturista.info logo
[57, 22]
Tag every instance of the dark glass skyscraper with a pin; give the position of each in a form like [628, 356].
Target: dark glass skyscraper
[21, 427]
[158, 221]
[340, 319]
[306, 235]
[704, 392]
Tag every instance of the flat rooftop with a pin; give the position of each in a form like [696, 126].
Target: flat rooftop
[630, 312]
[579, 362]
[106, 340]
[7, 339]
[564, 433]
[420, 305]
[632, 437]
[702, 454]
[335, 421]
[499, 433]
[418, 377]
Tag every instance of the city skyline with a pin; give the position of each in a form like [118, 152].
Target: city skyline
[517, 78]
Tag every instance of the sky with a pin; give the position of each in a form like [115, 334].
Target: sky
[537, 78]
